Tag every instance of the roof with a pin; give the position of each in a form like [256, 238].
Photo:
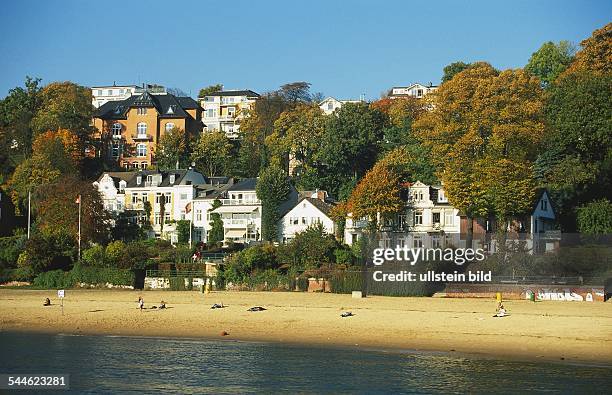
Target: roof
[118, 176]
[324, 207]
[248, 184]
[179, 178]
[167, 105]
[246, 92]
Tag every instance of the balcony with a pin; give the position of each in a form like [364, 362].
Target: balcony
[237, 222]
[240, 202]
[142, 137]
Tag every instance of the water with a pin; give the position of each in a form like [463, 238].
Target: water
[107, 365]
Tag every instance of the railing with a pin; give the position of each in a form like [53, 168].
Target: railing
[240, 202]
[142, 137]
[175, 273]
[219, 256]
[231, 221]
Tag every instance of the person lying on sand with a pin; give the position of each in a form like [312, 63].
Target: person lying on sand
[347, 314]
[47, 302]
[257, 308]
[162, 305]
[501, 312]
[217, 306]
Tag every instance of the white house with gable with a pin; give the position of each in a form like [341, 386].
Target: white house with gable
[311, 209]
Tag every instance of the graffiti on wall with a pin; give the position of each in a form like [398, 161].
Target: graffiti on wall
[565, 294]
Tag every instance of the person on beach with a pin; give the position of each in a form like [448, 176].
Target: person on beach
[140, 303]
[501, 312]
[47, 302]
[162, 305]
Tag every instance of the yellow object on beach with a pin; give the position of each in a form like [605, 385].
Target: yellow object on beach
[498, 297]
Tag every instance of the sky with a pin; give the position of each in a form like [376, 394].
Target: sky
[343, 48]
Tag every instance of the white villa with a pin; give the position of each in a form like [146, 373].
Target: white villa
[223, 110]
[314, 207]
[415, 90]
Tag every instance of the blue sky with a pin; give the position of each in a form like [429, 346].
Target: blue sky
[344, 48]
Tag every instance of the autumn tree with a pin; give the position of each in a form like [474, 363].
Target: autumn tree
[172, 150]
[272, 189]
[210, 90]
[595, 54]
[216, 232]
[297, 135]
[58, 210]
[254, 129]
[376, 196]
[481, 121]
[548, 62]
[65, 105]
[212, 153]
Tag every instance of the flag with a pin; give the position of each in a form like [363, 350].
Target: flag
[188, 208]
[78, 199]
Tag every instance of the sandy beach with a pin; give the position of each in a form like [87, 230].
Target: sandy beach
[550, 330]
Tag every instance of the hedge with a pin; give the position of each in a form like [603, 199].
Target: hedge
[88, 275]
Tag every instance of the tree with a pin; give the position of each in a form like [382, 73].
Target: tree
[272, 189]
[216, 232]
[297, 135]
[65, 105]
[254, 130]
[309, 249]
[376, 195]
[295, 92]
[411, 163]
[485, 126]
[595, 218]
[212, 153]
[16, 113]
[452, 69]
[210, 90]
[44, 252]
[172, 150]
[349, 146]
[548, 62]
[577, 161]
[596, 52]
[58, 212]
[183, 230]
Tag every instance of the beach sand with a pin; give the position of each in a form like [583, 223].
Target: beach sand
[549, 330]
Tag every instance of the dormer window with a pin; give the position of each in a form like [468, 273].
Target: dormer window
[170, 110]
[122, 185]
[544, 205]
[171, 178]
[138, 180]
[141, 111]
[442, 196]
[116, 130]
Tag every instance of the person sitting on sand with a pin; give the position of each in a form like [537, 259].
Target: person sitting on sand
[47, 302]
[162, 305]
[501, 312]
[140, 303]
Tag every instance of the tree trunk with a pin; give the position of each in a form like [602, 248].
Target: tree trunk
[469, 237]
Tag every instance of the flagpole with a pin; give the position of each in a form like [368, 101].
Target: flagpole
[190, 225]
[79, 228]
[29, 210]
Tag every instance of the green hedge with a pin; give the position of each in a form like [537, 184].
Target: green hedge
[88, 275]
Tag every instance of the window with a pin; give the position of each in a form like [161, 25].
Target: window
[99, 92]
[544, 205]
[158, 197]
[231, 111]
[419, 92]
[144, 197]
[142, 129]
[116, 130]
[418, 218]
[110, 92]
[168, 198]
[436, 218]
[304, 222]
[183, 196]
[330, 106]
[449, 218]
[417, 242]
[169, 126]
[198, 215]
[141, 150]
[442, 196]
[211, 113]
[435, 241]
[141, 111]
[115, 150]
[143, 165]
[134, 198]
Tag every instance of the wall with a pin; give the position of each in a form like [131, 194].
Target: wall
[571, 293]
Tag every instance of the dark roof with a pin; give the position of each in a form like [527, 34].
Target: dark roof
[118, 176]
[178, 176]
[248, 184]
[324, 207]
[290, 203]
[167, 105]
[247, 92]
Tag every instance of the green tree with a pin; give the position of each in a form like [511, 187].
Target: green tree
[349, 146]
[216, 233]
[310, 249]
[548, 62]
[173, 150]
[210, 90]
[183, 228]
[595, 218]
[212, 153]
[272, 189]
[452, 69]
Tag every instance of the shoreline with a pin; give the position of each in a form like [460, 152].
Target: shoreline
[557, 332]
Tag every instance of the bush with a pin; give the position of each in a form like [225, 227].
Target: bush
[94, 256]
[114, 253]
[87, 275]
